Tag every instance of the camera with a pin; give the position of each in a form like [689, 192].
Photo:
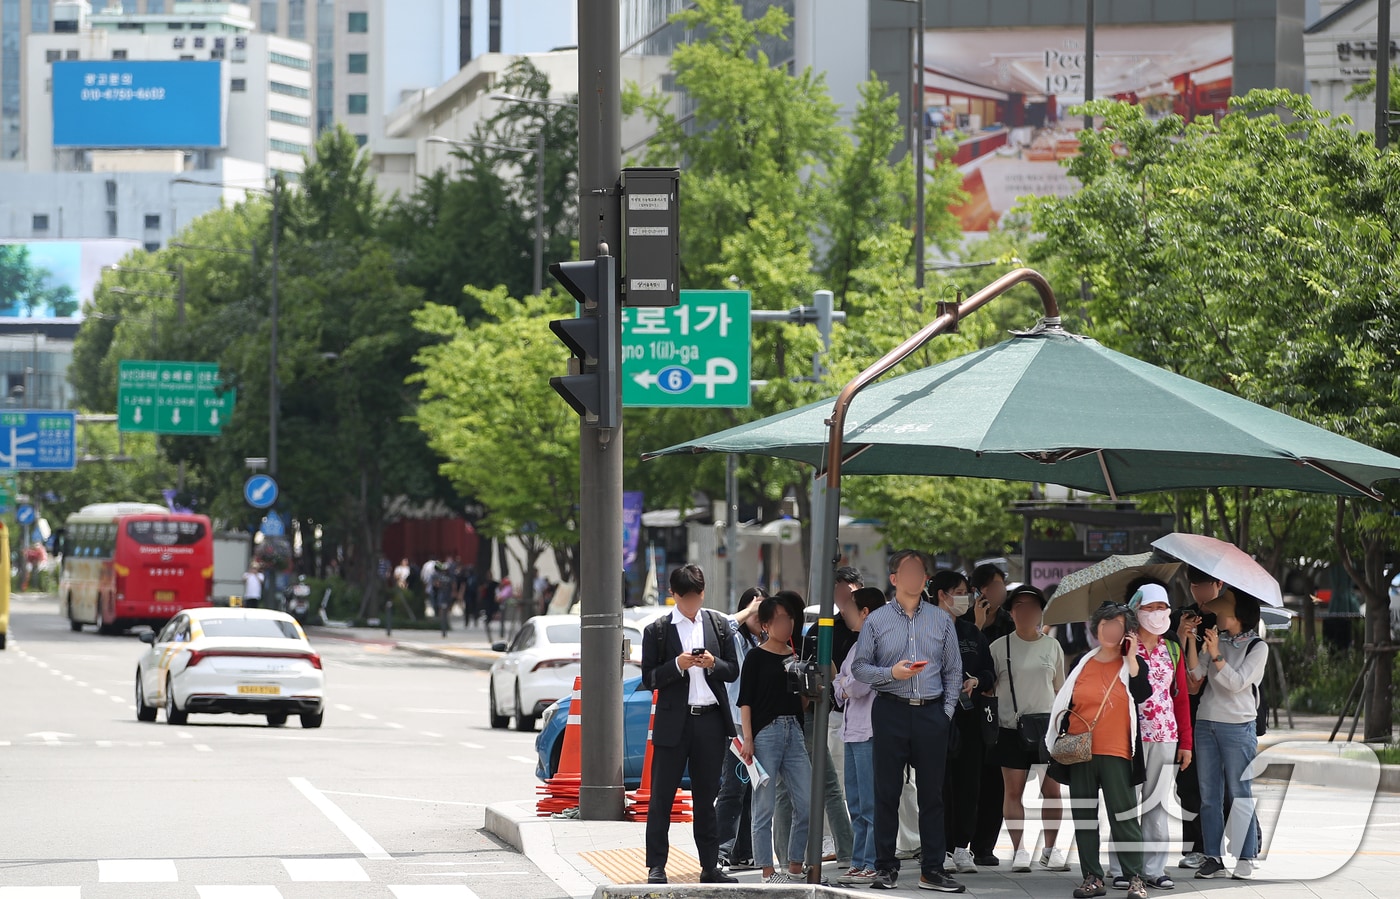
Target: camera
[1208, 621]
[804, 677]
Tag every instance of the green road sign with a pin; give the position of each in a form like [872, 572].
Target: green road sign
[173, 398]
[692, 354]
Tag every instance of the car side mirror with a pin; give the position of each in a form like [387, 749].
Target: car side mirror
[148, 637]
[498, 647]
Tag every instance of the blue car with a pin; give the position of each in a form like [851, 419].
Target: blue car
[636, 716]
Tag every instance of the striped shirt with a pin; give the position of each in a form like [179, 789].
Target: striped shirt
[890, 636]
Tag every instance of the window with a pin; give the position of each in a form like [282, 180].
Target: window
[357, 104]
[358, 64]
[186, 57]
[267, 16]
[119, 54]
[296, 19]
[361, 140]
[41, 222]
[155, 7]
[111, 193]
[152, 246]
[70, 54]
[152, 223]
[165, 533]
[286, 146]
[238, 85]
[111, 223]
[249, 627]
[289, 90]
[197, 26]
[291, 62]
[359, 23]
[53, 55]
[289, 118]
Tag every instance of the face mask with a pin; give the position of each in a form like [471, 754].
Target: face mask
[1156, 621]
[961, 603]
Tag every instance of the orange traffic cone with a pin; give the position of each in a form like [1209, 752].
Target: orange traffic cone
[641, 798]
[560, 792]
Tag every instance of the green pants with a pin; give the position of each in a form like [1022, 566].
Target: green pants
[1114, 777]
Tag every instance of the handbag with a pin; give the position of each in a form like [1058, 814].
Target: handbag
[1032, 726]
[987, 712]
[1075, 749]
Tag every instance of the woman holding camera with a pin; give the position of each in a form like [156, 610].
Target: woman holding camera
[770, 702]
[1100, 699]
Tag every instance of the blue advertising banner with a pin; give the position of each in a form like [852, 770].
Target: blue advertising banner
[121, 103]
[631, 527]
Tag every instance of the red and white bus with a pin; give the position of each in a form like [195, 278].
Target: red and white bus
[126, 564]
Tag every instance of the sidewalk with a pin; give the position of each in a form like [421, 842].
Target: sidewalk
[469, 647]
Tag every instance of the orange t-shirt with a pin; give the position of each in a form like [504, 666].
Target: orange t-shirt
[1113, 734]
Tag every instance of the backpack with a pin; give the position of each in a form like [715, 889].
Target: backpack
[1261, 708]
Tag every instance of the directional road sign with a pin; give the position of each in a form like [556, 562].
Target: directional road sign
[37, 441]
[260, 491]
[25, 514]
[692, 354]
[273, 526]
[172, 398]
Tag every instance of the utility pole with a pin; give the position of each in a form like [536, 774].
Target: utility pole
[601, 792]
[1382, 74]
[273, 398]
[1089, 59]
[919, 212]
[539, 212]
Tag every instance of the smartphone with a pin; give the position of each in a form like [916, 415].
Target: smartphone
[697, 652]
[1123, 647]
[917, 666]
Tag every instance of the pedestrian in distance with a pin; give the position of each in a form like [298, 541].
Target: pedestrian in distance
[253, 580]
[989, 612]
[1100, 698]
[770, 700]
[732, 807]
[908, 651]
[687, 658]
[856, 733]
[1204, 588]
[1030, 669]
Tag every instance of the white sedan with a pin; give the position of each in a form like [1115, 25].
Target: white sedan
[239, 660]
[539, 667]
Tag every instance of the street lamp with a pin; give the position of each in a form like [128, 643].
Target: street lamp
[539, 190]
[273, 401]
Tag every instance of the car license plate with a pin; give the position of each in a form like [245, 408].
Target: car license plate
[165, 596]
[260, 689]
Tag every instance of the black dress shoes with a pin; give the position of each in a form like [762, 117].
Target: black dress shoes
[656, 875]
[716, 875]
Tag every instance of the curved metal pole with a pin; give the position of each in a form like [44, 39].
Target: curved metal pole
[826, 508]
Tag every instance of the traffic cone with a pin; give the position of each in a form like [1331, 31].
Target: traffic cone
[560, 792]
[639, 800]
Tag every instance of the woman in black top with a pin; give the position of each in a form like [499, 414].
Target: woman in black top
[770, 702]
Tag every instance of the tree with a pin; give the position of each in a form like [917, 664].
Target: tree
[1365, 90]
[1255, 254]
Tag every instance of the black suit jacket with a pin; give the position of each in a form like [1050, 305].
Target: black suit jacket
[661, 644]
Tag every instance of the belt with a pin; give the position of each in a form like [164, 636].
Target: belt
[702, 709]
[932, 700]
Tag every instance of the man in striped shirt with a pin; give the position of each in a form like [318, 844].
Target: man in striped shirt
[908, 651]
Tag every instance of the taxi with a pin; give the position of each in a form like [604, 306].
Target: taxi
[230, 660]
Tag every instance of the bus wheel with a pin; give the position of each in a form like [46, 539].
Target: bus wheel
[73, 624]
[102, 626]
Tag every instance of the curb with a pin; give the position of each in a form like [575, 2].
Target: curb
[481, 659]
[517, 825]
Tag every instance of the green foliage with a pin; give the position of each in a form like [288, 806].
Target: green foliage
[23, 290]
[1365, 90]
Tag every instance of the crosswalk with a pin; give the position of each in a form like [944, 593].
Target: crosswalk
[245, 891]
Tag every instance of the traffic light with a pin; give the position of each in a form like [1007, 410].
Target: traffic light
[593, 386]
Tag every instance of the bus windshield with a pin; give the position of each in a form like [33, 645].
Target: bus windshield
[165, 533]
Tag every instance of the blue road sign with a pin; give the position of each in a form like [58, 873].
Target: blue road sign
[272, 526]
[25, 514]
[260, 491]
[37, 441]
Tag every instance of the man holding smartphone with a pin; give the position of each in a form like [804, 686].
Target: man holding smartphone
[908, 651]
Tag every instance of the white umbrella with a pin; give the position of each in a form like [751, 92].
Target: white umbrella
[1223, 561]
[1081, 592]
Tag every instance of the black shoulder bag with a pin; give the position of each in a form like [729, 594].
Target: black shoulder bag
[1032, 726]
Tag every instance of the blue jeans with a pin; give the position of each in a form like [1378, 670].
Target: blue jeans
[782, 752]
[860, 797]
[1224, 753]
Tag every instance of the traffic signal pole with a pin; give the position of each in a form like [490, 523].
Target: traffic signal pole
[601, 793]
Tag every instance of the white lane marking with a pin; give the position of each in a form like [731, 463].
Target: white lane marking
[439, 711]
[68, 677]
[80, 683]
[240, 892]
[353, 832]
[324, 870]
[416, 891]
[200, 747]
[99, 691]
[393, 725]
[4, 742]
[429, 733]
[136, 870]
[467, 745]
[185, 736]
[445, 864]
[116, 699]
[41, 664]
[342, 707]
[41, 893]
[465, 873]
[368, 717]
[104, 743]
[408, 799]
[523, 759]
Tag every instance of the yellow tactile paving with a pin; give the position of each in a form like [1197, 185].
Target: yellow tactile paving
[630, 865]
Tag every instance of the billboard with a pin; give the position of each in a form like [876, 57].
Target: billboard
[53, 279]
[1002, 94]
[138, 105]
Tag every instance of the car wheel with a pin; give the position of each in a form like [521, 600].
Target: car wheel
[522, 720]
[498, 721]
[276, 719]
[173, 713]
[312, 719]
[144, 712]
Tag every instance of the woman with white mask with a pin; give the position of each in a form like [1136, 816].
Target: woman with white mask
[1164, 721]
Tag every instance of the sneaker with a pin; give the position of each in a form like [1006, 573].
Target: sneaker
[1022, 863]
[986, 861]
[1244, 869]
[1192, 860]
[941, 883]
[1054, 860]
[963, 861]
[856, 877]
[1160, 883]
[1121, 882]
[907, 854]
[783, 877]
[742, 864]
[1090, 888]
[1211, 867]
[884, 880]
[1136, 889]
